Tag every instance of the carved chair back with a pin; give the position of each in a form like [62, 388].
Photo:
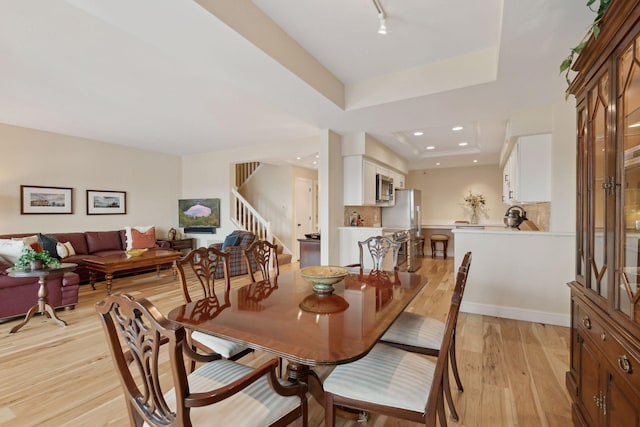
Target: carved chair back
[204, 263]
[265, 255]
[378, 247]
[142, 329]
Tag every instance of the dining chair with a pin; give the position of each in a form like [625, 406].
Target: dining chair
[203, 263]
[219, 392]
[394, 382]
[265, 255]
[378, 247]
[423, 334]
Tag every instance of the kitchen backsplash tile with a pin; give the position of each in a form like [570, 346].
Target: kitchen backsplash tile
[369, 214]
[539, 214]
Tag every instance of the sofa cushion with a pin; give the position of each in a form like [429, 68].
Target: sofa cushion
[246, 238]
[11, 250]
[98, 241]
[28, 240]
[49, 244]
[129, 236]
[77, 240]
[143, 240]
[231, 240]
[65, 249]
[4, 264]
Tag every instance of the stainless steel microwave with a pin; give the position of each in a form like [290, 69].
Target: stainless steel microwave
[384, 188]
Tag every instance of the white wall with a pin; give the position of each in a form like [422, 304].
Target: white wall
[30, 157]
[563, 168]
[444, 190]
[330, 197]
[270, 191]
[518, 274]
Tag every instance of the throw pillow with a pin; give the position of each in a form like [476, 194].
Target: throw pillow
[29, 240]
[65, 250]
[11, 250]
[142, 229]
[49, 244]
[231, 240]
[143, 240]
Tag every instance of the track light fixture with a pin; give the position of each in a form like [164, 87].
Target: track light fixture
[382, 29]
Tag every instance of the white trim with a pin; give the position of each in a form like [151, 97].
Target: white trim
[516, 313]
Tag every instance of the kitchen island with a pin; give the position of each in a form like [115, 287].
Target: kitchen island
[519, 275]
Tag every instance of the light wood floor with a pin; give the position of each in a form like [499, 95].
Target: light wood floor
[512, 371]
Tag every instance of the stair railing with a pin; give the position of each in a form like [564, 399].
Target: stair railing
[244, 171]
[244, 216]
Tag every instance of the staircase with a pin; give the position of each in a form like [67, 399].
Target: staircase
[244, 171]
[245, 217]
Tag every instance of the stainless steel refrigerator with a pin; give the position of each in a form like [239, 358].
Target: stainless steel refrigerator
[406, 214]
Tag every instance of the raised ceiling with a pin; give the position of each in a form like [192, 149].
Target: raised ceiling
[194, 76]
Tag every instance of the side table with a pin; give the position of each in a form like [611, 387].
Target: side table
[181, 245]
[42, 306]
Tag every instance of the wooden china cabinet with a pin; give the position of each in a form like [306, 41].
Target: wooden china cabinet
[604, 374]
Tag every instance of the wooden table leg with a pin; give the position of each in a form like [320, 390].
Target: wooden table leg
[92, 279]
[42, 307]
[303, 373]
[108, 277]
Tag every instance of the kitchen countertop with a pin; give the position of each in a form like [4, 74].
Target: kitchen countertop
[507, 231]
[452, 225]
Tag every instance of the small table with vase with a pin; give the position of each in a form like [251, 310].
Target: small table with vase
[42, 306]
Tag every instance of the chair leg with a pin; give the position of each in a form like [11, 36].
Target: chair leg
[445, 244]
[447, 393]
[454, 362]
[329, 411]
[433, 249]
[441, 415]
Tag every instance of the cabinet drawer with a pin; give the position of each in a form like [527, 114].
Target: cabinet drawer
[615, 348]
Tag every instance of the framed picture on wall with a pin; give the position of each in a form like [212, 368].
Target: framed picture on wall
[101, 202]
[35, 199]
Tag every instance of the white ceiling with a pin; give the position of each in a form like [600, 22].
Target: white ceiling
[183, 77]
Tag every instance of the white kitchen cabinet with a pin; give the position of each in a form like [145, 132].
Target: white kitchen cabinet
[509, 178]
[398, 179]
[527, 172]
[359, 181]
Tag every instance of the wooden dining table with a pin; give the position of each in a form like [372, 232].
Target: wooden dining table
[284, 317]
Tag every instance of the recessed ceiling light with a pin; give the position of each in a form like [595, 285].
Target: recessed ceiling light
[418, 133]
[438, 164]
[457, 128]
[475, 161]
[298, 158]
[463, 143]
[315, 163]
[317, 156]
[431, 147]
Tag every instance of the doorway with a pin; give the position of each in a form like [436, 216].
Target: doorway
[304, 215]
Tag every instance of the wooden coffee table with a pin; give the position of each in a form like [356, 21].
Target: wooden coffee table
[114, 263]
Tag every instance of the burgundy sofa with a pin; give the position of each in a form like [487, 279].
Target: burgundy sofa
[17, 295]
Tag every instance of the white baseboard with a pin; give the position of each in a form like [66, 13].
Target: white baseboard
[516, 313]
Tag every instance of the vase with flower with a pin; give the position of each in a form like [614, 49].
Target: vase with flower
[36, 260]
[476, 202]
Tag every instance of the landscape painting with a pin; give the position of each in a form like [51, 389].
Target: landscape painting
[45, 200]
[101, 202]
[199, 213]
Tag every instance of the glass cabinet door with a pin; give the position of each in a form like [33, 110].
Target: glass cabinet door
[582, 266]
[626, 292]
[601, 180]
